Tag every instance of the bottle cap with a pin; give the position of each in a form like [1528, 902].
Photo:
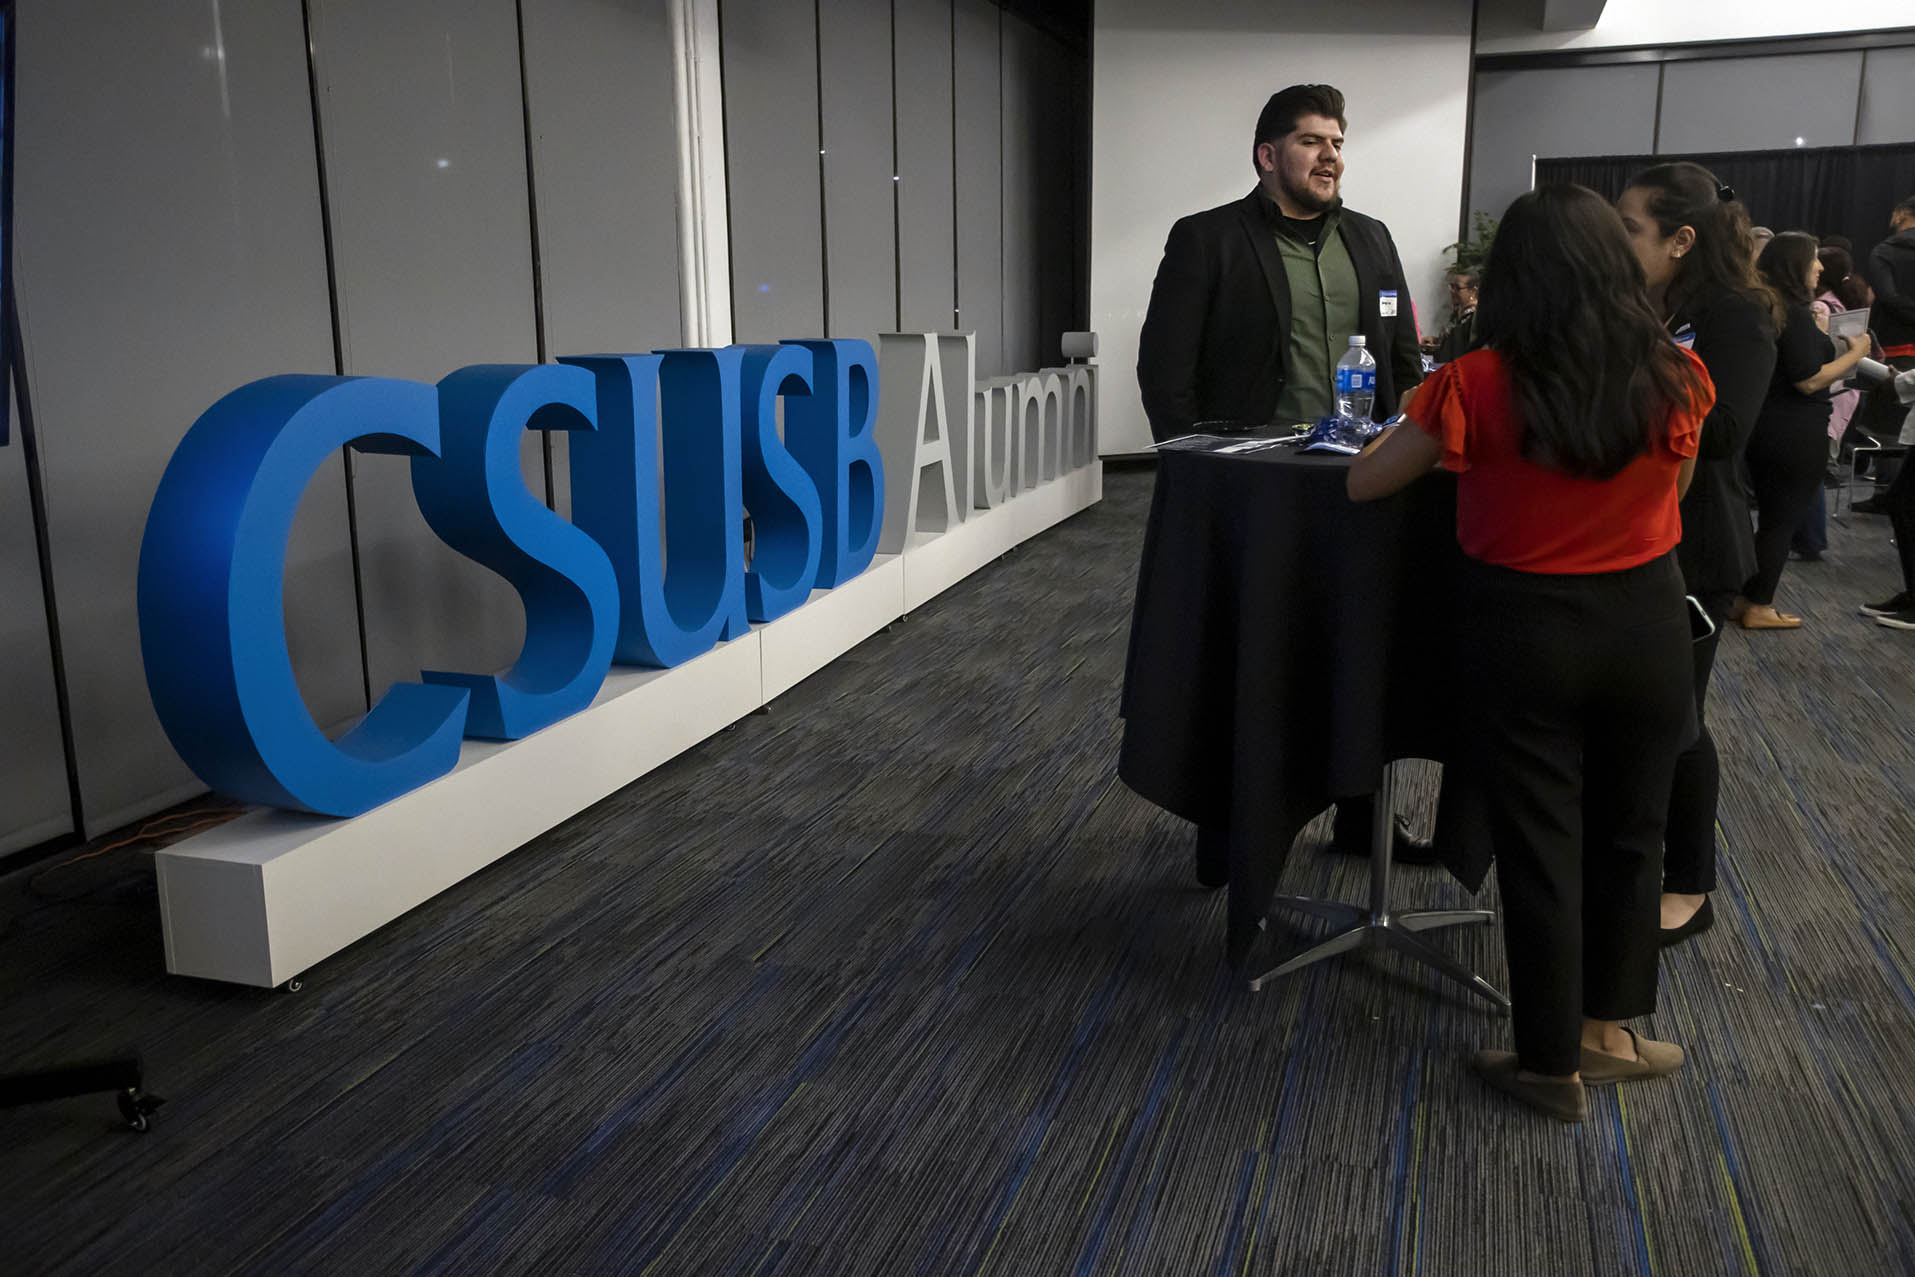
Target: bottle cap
[1359, 339]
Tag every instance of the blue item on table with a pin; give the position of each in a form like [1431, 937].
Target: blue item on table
[1349, 437]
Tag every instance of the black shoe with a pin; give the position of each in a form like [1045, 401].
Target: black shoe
[1902, 620]
[1701, 921]
[1874, 505]
[1405, 847]
[1808, 556]
[1890, 607]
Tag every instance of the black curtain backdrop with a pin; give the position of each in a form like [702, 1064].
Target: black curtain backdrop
[1834, 190]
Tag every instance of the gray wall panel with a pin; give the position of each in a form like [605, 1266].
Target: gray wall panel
[860, 197]
[978, 104]
[33, 791]
[1024, 104]
[605, 166]
[1061, 207]
[1888, 97]
[771, 169]
[169, 248]
[1759, 104]
[605, 160]
[927, 248]
[425, 162]
[1607, 110]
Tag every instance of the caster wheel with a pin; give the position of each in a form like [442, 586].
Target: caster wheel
[293, 986]
[136, 1109]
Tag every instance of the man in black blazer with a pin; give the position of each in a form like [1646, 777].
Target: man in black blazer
[1224, 336]
[1255, 301]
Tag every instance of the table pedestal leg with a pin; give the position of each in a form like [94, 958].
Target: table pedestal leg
[1376, 927]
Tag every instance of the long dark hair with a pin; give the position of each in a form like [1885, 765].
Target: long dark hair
[1564, 303]
[1723, 259]
[1837, 266]
[1785, 265]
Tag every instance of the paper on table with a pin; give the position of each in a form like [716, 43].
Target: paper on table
[1189, 443]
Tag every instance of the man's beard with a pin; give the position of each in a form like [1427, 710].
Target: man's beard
[1303, 197]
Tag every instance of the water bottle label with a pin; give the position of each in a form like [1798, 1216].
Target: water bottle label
[1352, 379]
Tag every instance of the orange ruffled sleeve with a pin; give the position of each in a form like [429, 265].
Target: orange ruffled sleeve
[1438, 412]
[1685, 423]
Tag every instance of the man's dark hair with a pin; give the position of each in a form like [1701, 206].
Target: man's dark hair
[1906, 206]
[1472, 277]
[1278, 119]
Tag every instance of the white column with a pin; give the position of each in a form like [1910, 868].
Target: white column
[698, 85]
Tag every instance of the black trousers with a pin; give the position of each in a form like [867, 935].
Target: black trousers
[1900, 499]
[1689, 842]
[1786, 462]
[1578, 695]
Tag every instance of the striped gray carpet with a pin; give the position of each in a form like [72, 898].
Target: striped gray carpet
[899, 979]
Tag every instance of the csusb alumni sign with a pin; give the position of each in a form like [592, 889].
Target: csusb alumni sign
[894, 475]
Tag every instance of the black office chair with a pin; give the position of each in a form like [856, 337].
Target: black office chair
[1876, 448]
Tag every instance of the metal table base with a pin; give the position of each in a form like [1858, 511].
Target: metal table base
[1376, 927]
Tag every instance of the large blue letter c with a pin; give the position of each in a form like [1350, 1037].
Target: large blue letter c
[212, 623]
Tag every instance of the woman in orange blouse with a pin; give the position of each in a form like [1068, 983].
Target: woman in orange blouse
[1573, 434]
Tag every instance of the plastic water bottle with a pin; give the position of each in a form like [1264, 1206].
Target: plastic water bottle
[1356, 382]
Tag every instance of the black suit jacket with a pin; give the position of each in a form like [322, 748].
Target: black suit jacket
[1216, 337]
[1891, 273]
[1735, 340]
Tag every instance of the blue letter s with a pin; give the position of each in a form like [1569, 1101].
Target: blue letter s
[783, 500]
[475, 498]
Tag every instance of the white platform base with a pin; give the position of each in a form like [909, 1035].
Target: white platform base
[937, 563]
[266, 896]
[831, 623]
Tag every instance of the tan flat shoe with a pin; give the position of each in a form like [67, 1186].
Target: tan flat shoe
[1563, 1099]
[1653, 1059]
[1767, 618]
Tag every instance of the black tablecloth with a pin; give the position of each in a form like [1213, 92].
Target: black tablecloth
[1287, 642]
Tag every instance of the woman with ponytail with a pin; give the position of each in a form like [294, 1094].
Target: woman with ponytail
[1692, 238]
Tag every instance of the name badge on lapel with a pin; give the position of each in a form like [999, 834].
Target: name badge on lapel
[1386, 303]
[1685, 337]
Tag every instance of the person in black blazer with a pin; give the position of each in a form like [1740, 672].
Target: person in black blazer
[1217, 339]
[1693, 240]
[1225, 339]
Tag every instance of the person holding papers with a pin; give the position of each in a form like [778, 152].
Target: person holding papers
[1573, 433]
[1789, 448]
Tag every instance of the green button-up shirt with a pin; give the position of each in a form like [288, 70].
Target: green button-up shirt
[1323, 315]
